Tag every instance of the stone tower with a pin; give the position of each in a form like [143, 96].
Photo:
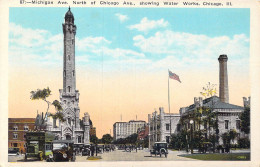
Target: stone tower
[223, 79]
[69, 96]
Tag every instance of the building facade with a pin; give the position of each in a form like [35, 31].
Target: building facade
[73, 128]
[227, 117]
[162, 125]
[17, 128]
[125, 129]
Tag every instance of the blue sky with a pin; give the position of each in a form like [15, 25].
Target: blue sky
[139, 36]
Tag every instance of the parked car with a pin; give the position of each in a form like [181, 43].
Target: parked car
[86, 151]
[159, 148]
[63, 151]
[13, 151]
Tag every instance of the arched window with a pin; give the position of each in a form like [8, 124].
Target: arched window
[69, 57]
[73, 73]
[68, 88]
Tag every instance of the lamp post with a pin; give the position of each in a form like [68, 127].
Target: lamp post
[191, 136]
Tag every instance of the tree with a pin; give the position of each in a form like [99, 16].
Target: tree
[107, 139]
[42, 95]
[245, 120]
[229, 136]
[93, 139]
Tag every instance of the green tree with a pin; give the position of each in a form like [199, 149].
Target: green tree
[245, 120]
[43, 95]
[107, 139]
[93, 139]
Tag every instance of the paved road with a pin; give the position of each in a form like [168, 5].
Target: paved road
[140, 155]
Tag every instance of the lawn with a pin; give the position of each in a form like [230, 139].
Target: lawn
[218, 156]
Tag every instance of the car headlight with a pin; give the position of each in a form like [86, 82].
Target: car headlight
[51, 156]
[64, 155]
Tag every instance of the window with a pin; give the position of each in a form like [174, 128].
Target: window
[69, 121]
[15, 136]
[56, 138]
[73, 73]
[226, 124]
[238, 124]
[26, 127]
[167, 126]
[24, 136]
[15, 127]
[68, 88]
[68, 57]
[64, 73]
[79, 139]
[72, 41]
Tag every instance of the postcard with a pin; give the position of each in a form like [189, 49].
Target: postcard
[130, 83]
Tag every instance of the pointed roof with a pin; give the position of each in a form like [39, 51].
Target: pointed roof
[69, 15]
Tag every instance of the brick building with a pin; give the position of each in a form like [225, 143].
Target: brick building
[17, 128]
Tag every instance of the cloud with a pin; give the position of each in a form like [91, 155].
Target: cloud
[146, 25]
[91, 43]
[40, 47]
[121, 17]
[184, 50]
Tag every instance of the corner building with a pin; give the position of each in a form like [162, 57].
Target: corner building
[72, 129]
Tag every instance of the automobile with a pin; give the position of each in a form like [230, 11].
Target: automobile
[63, 151]
[159, 148]
[86, 150]
[13, 151]
[39, 145]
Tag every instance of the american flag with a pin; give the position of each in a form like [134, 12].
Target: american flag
[174, 76]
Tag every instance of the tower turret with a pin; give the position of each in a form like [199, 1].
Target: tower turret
[69, 74]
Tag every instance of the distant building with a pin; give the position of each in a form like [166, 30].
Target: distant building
[143, 132]
[92, 130]
[125, 129]
[17, 128]
[162, 125]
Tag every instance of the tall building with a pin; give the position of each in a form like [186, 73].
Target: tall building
[125, 129]
[162, 125]
[72, 128]
[17, 128]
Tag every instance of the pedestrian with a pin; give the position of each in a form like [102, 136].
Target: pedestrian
[136, 148]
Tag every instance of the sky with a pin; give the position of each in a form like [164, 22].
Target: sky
[123, 56]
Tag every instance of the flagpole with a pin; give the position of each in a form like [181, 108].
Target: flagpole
[169, 101]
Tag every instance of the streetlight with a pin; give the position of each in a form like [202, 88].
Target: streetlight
[191, 136]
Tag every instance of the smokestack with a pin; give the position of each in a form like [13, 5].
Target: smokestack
[223, 79]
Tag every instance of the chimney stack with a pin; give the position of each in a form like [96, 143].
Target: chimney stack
[223, 79]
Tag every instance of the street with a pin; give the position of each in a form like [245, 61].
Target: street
[118, 155]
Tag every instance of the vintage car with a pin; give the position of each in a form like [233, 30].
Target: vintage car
[159, 148]
[86, 150]
[13, 151]
[63, 151]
